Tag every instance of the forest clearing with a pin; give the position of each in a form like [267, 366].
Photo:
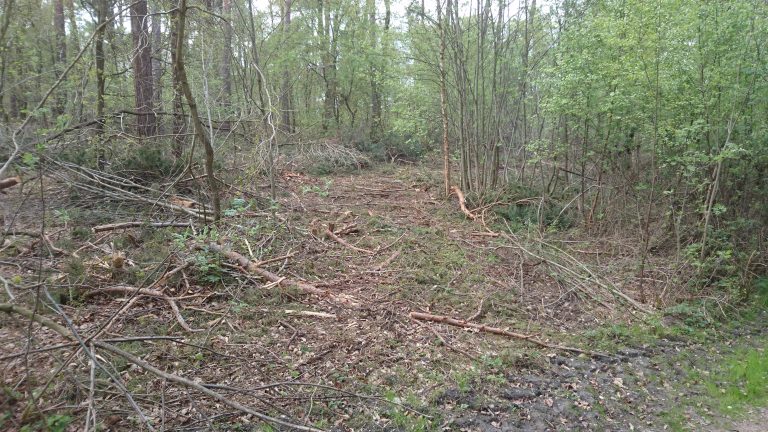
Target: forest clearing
[404, 216]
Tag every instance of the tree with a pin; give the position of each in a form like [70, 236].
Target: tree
[142, 69]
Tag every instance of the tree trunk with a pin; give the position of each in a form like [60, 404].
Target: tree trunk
[200, 131]
[444, 104]
[226, 56]
[142, 69]
[101, 7]
[287, 120]
[61, 53]
[178, 108]
[157, 64]
[329, 65]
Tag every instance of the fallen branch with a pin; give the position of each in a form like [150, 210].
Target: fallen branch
[123, 225]
[310, 313]
[463, 202]
[330, 234]
[347, 229]
[495, 330]
[304, 287]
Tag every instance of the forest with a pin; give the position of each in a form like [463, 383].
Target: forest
[395, 215]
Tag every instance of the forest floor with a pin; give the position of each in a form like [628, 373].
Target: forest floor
[316, 360]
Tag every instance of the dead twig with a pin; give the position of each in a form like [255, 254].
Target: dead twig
[479, 312]
[443, 341]
[310, 314]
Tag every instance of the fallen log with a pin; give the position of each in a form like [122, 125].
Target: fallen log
[135, 224]
[495, 330]
[304, 287]
[463, 203]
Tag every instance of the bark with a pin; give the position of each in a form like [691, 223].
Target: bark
[5, 23]
[330, 112]
[73, 33]
[375, 131]
[142, 69]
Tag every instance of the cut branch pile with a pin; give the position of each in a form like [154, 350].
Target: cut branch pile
[108, 185]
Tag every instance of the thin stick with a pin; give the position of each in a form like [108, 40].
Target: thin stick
[310, 313]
